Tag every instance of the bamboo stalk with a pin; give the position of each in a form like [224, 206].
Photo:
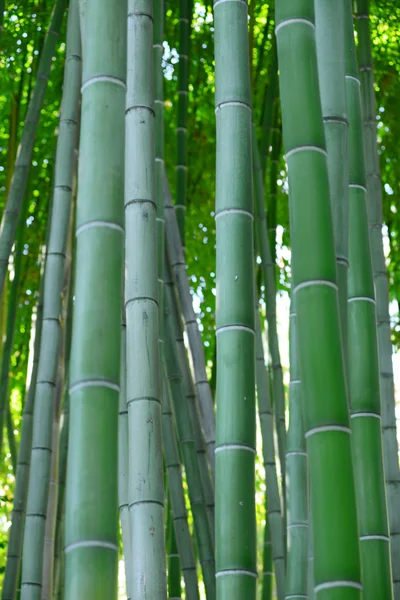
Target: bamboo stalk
[363, 353]
[185, 16]
[274, 510]
[14, 548]
[267, 574]
[19, 181]
[175, 315]
[91, 520]
[374, 207]
[188, 451]
[296, 479]
[178, 265]
[174, 562]
[178, 508]
[336, 546]
[235, 522]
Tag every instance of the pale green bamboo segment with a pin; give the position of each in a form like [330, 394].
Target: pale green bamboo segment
[268, 271]
[181, 129]
[296, 479]
[267, 574]
[143, 392]
[326, 424]
[189, 456]
[274, 510]
[123, 467]
[178, 508]
[91, 520]
[178, 265]
[19, 180]
[14, 548]
[235, 525]
[374, 209]
[363, 354]
[175, 315]
[45, 394]
[329, 20]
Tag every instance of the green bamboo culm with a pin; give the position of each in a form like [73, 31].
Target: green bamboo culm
[178, 266]
[296, 478]
[268, 276]
[8, 345]
[235, 523]
[14, 548]
[177, 496]
[174, 563]
[374, 207]
[274, 511]
[123, 467]
[363, 354]
[143, 389]
[326, 424]
[39, 476]
[267, 574]
[91, 520]
[190, 394]
[181, 130]
[19, 180]
[188, 452]
[329, 20]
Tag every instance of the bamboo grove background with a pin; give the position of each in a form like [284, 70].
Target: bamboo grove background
[195, 59]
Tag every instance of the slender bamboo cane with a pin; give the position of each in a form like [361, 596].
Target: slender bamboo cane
[329, 19]
[12, 444]
[175, 315]
[268, 272]
[174, 563]
[21, 170]
[123, 468]
[39, 476]
[336, 562]
[363, 353]
[10, 328]
[146, 490]
[52, 500]
[374, 206]
[91, 527]
[181, 130]
[178, 265]
[178, 508]
[14, 548]
[188, 451]
[296, 479]
[269, 109]
[274, 510]
[235, 526]
[267, 575]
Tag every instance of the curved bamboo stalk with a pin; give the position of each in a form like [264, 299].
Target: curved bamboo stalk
[178, 265]
[235, 318]
[374, 206]
[175, 314]
[336, 546]
[181, 130]
[39, 476]
[146, 485]
[14, 548]
[19, 181]
[178, 508]
[363, 354]
[274, 510]
[188, 451]
[268, 272]
[296, 479]
[91, 520]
